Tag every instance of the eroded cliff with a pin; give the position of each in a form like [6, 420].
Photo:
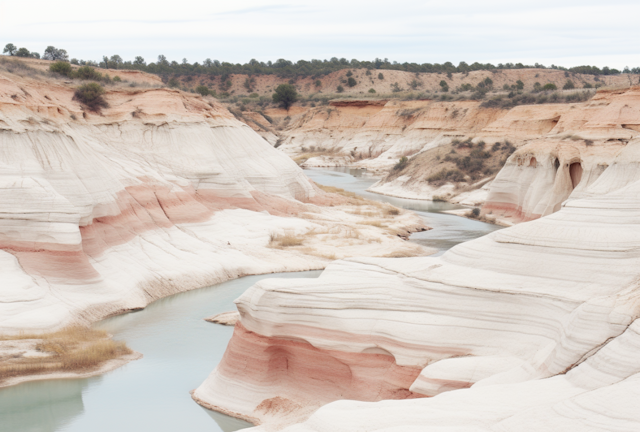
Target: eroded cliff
[539, 320]
[161, 192]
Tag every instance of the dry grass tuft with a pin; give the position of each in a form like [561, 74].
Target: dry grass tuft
[287, 240]
[392, 211]
[72, 349]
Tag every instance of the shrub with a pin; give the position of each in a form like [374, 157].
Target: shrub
[351, 82]
[395, 88]
[87, 73]
[173, 82]
[380, 76]
[401, 163]
[285, 95]
[340, 89]
[371, 90]
[587, 85]
[569, 85]
[62, 68]
[368, 72]
[254, 95]
[444, 86]
[415, 84]
[475, 212]
[519, 85]
[203, 90]
[23, 52]
[349, 73]
[91, 95]
[117, 79]
[318, 83]
[549, 87]
[446, 175]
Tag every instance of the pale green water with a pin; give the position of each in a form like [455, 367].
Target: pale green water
[152, 394]
[181, 349]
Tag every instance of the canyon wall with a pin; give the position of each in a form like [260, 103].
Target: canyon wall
[161, 192]
[457, 149]
[529, 328]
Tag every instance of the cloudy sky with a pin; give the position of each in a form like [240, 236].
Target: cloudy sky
[562, 32]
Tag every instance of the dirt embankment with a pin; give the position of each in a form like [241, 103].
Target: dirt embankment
[390, 82]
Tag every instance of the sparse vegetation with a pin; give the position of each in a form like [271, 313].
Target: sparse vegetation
[285, 95]
[73, 349]
[284, 240]
[62, 68]
[91, 95]
[402, 163]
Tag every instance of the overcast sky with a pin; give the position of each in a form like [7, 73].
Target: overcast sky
[562, 32]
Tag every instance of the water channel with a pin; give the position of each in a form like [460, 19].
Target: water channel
[180, 349]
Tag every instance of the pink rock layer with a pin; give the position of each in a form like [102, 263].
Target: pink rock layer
[142, 208]
[297, 374]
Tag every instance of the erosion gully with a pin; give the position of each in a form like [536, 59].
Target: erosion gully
[180, 348]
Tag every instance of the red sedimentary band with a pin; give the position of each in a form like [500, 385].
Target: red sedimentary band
[508, 209]
[296, 370]
[142, 208]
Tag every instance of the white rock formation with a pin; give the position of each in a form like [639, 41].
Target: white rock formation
[539, 319]
[160, 193]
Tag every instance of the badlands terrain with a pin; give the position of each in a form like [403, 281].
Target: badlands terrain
[530, 328]
[161, 192]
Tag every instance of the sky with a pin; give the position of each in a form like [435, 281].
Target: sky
[561, 32]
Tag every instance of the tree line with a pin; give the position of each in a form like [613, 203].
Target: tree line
[288, 69]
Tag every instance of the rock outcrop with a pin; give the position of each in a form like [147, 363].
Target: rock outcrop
[539, 320]
[562, 164]
[159, 193]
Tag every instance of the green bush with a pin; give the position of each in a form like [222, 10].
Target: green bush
[318, 83]
[203, 90]
[569, 85]
[87, 73]
[285, 95]
[351, 82]
[444, 86]
[349, 74]
[173, 83]
[117, 79]
[62, 68]
[380, 76]
[23, 52]
[340, 89]
[254, 95]
[91, 95]
[371, 90]
[549, 87]
[401, 163]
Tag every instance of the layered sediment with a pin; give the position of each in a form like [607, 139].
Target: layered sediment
[530, 327]
[159, 193]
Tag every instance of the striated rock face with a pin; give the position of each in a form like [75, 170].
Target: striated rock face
[584, 140]
[376, 134]
[160, 193]
[539, 320]
[98, 209]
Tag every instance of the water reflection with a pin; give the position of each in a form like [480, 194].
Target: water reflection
[152, 394]
[180, 348]
[41, 406]
[448, 230]
[226, 423]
